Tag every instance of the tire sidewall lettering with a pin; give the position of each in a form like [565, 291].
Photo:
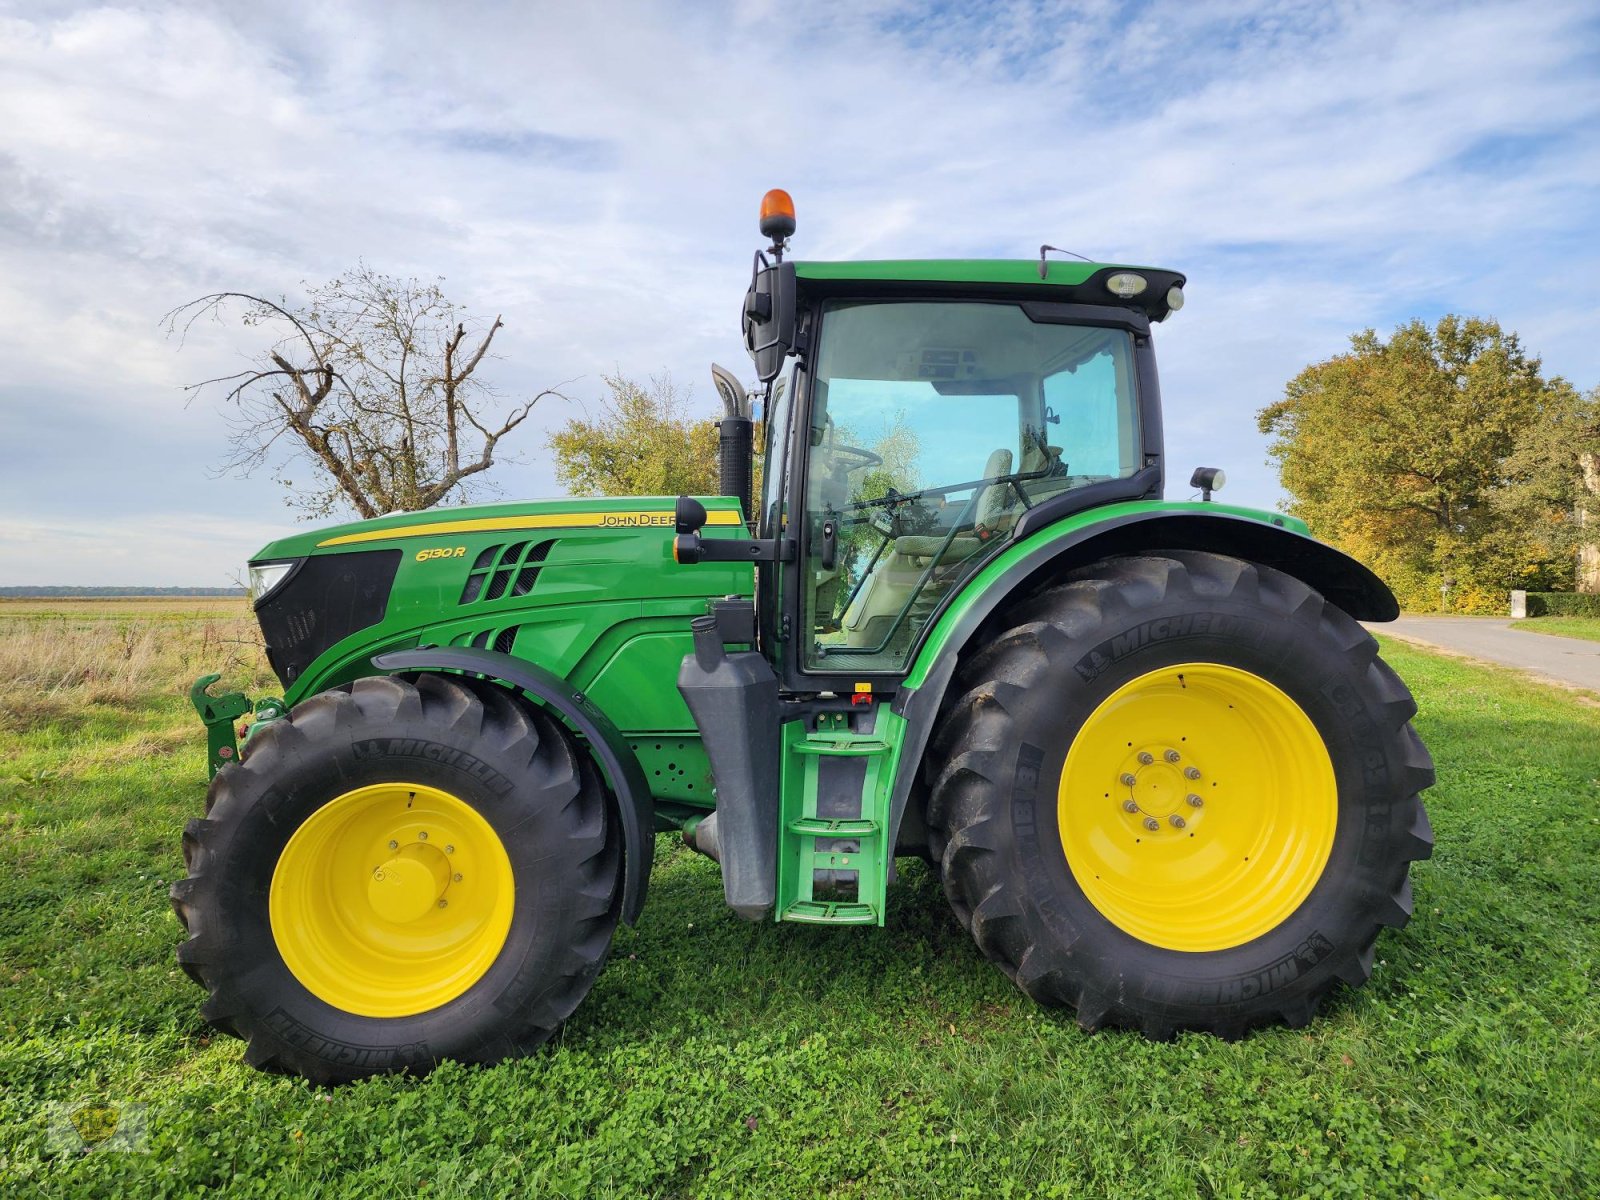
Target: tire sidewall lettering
[1028, 776]
[1243, 632]
[474, 768]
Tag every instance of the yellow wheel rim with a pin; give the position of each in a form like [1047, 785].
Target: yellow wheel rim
[391, 900]
[1197, 807]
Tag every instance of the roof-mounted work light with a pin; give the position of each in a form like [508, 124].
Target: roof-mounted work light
[1208, 480]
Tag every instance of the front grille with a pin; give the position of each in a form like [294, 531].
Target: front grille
[325, 599]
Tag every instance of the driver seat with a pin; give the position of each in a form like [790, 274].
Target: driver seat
[873, 611]
[996, 497]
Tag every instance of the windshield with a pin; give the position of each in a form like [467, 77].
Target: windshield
[933, 427]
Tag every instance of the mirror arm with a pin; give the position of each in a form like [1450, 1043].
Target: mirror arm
[689, 548]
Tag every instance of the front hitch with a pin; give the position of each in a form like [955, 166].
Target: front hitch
[219, 713]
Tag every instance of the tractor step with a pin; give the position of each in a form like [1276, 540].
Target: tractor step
[847, 745]
[829, 912]
[833, 859]
[823, 827]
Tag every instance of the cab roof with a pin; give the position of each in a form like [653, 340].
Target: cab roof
[1065, 280]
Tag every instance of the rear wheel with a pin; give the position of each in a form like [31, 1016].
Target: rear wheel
[398, 873]
[1180, 791]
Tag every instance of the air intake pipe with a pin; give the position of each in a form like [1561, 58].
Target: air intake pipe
[734, 700]
[736, 438]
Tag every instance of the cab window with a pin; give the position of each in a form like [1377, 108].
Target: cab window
[933, 426]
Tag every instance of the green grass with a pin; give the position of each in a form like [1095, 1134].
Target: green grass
[719, 1058]
[1587, 628]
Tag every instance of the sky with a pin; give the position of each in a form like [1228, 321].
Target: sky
[592, 172]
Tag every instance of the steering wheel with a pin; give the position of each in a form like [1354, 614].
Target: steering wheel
[855, 458]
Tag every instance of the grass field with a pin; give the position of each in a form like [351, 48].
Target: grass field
[719, 1058]
[1587, 628]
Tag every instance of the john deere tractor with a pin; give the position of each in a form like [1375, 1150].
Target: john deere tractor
[1160, 769]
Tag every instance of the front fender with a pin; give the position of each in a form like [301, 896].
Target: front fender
[635, 808]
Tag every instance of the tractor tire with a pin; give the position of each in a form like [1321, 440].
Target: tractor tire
[398, 872]
[1179, 791]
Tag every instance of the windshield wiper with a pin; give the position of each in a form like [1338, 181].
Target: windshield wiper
[894, 498]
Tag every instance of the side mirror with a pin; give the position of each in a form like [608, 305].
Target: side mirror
[769, 317]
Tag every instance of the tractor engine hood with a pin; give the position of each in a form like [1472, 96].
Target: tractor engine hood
[456, 575]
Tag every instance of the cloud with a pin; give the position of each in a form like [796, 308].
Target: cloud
[591, 171]
[579, 154]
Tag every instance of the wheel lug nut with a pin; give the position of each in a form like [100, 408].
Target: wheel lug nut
[1130, 806]
[1172, 756]
[1195, 801]
[1152, 824]
[422, 837]
[449, 849]
[1191, 772]
[1128, 779]
[393, 845]
[1176, 821]
[456, 877]
[444, 904]
[1146, 757]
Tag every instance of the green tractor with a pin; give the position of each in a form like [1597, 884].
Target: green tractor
[1160, 769]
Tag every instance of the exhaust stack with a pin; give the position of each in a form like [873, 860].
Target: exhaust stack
[736, 438]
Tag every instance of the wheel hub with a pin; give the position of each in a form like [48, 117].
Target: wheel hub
[409, 885]
[1158, 782]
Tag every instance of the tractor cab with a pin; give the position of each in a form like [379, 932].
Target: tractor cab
[931, 428]
[919, 414]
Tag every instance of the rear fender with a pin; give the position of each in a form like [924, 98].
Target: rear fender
[635, 810]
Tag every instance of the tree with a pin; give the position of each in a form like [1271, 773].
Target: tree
[1421, 456]
[372, 381]
[897, 444]
[1548, 502]
[644, 443]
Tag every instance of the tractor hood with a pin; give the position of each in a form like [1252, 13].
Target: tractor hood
[526, 576]
[402, 528]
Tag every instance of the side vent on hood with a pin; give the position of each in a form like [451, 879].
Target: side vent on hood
[499, 571]
[501, 640]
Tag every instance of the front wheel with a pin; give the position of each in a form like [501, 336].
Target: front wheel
[1180, 791]
[398, 873]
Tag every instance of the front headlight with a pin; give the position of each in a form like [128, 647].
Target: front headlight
[264, 577]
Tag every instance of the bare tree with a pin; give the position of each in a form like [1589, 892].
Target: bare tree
[373, 382]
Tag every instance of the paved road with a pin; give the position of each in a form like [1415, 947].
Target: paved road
[1567, 660]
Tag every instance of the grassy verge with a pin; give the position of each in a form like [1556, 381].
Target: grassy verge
[1587, 628]
[719, 1058]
